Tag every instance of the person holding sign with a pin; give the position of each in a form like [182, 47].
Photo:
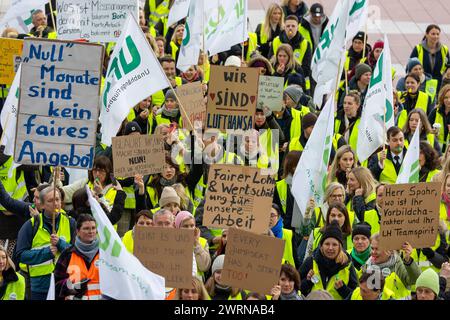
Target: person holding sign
[38, 245]
[77, 275]
[218, 290]
[400, 271]
[330, 267]
[288, 287]
[276, 226]
[143, 218]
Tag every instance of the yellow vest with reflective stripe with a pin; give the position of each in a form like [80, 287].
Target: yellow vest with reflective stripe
[395, 284]
[422, 260]
[282, 193]
[52, 35]
[343, 274]
[110, 194]
[156, 13]
[443, 217]
[262, 36]
[431, 88]
[442, 140]
[421, 103]
[347, 61]
[42, 240]
[306, 35]
[15, 290]
[320, 219]
[288, 253]
[203, 243]
[158, 97]
[296, 123]
[388, 174]
[385, 295]
[130, 200]
[14, 186]
[444, 52]
[430, 140]
[370, 216]
[175, 48]
[299, 53]
[128, 241]
[252, 45]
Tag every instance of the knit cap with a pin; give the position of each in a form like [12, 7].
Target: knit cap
[218, 263]
[359, 36]
[332, 231]
[377, 45]
[169, 195]
[362, 228]
[429, 279]
[411, 64]
[132, 127]
[309, 120]
[170, 94]
[233, 61]
[181, 216]
[361, 69]
[294, 92]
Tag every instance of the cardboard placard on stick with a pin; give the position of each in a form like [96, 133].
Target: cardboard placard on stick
[10, 58]
[167, 252]
[232, 98]
[270, 92]
[238, 196]
[138, 154]
[410, 213]
[252, 262]
[191, 96]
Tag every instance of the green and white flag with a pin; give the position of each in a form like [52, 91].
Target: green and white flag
[8, 117]
[225, 24]
[357, 20]
[178, 11]
[134, 73]
[310, 177]
[19, 14]
[409, 171]
[122, 275]
[378, 112]
[329, 54]
[190, 46]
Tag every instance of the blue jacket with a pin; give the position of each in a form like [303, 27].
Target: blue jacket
[25, 255]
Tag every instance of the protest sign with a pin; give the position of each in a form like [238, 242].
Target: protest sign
[252, 262]
[58, 103]
[238, 196]
[232, 97]
[138, 154]
[10, 58]
[270, 92]
[167, 252]
[191, 96]
[410, 213]
[96, 21]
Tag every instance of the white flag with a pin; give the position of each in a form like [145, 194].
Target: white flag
[134, 73]
[122, 275]
[329, 53]
[178, 11]
[409, 171]
[51, 289]
[190, 46]
[225, 24]
[358, 13]
[378, 113]
[310, 177]
[8, 117]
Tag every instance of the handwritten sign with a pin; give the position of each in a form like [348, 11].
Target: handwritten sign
[191, 96]
[138, 154]
[93, 20]
[167, 252]
[58, 103]
[238, 196]
[270, 92]
[252, 262]
[10, 58]
[232, 98]
[410, 212]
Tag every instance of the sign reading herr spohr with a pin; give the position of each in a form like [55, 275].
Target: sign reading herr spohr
[58, 103]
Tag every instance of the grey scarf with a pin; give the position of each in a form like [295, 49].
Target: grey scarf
[87, 249]
[170, 113]
[291, 296]
[167, 183]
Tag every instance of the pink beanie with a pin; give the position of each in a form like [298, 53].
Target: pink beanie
[181, 216]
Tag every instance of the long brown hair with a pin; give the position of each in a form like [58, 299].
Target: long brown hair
[346, 228]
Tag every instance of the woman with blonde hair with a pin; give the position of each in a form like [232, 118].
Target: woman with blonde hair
[270, 29]
[361, 197]
[175, 42]
[426, 132]
[196, 292]
[329, 267]
[284, 65]
[12, 284]
[439, 115]
[444, 211]
[344, 161]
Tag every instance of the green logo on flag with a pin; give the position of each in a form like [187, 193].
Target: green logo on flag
[187, 36]
[104, 245]
[356, 6]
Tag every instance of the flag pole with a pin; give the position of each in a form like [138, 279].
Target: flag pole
[55, 174]
[52, 15]
[365, 40]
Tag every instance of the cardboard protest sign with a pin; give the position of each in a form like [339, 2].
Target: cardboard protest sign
[238, 196]
[232, 97]
[270, 92]
[58, 103]
[410, 213]
[252, 262]
[10, 58]
[138, 154]
[191, 96]
[96, 21]
[167, 252]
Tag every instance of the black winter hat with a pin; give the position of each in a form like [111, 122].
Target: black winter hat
[132, 127]
[332, 231]
[362, 228]
[360, 36]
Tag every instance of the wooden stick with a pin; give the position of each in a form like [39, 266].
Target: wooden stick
[346, 82]
[55, 173]
[365, 41]
[53, 17]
